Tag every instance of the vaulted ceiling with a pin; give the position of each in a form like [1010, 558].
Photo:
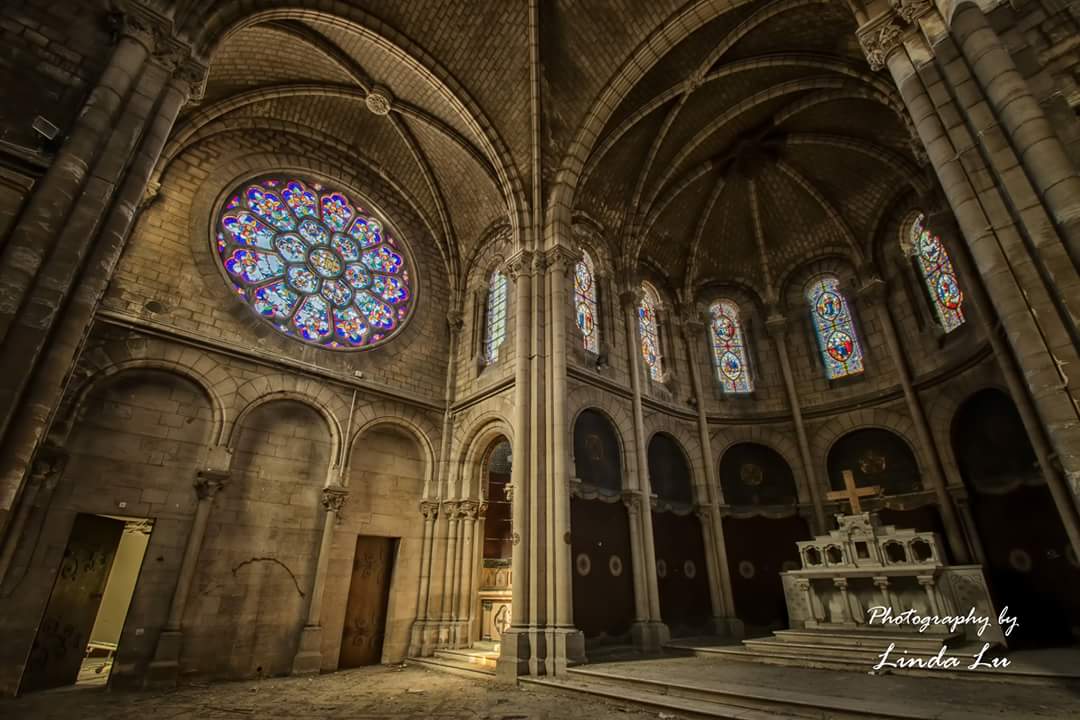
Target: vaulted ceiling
[760, 141]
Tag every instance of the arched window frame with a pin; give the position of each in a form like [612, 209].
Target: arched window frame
[935, 267]
[649, 331]
[586, 305]
[495, 316]
[832, 320]
[727, 342]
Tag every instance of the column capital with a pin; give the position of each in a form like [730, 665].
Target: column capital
[703, 511]
[520, 264]
[632, 500]
[429, 508]
[630, 298]
[190, 76]
[872, 288]
[455, 319]
[880, 37]
[48, 465]
[562, 257]
[207, 486]
[333, 498]
[776, 323]
[468, 509]
[910, 10]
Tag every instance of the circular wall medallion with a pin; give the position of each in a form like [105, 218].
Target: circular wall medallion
[689, 569]
[747, 569]
[661, 568]
[615, 565]
[1020, 560]
[583, 564]
[314, 263]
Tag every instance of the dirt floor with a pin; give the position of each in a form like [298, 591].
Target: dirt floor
[374, 693]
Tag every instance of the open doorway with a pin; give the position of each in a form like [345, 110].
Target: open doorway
[80, 630]
[495, 580]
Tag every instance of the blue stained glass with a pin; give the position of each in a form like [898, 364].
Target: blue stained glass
[304, 260]
[495, 328]
[837, 340]
[585, 303]
[938, 274]
[648, 329]
[728, 348]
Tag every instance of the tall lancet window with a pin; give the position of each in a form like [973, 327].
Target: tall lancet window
[495, 328]
[728, 347]
[585, 303]
[649, 329]
[938, 273]
[839, 345]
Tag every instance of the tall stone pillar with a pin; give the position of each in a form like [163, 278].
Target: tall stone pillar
[420, 642]
[514, 649]
[720, 592]
[980, 147]
[874, 290]
[657, 633]
[308, 657]
[79, 216]
[452, 510]
[632, 500]
[165, 667]
[48, 466]
[567, 642]
[777, 327]
[469, 510]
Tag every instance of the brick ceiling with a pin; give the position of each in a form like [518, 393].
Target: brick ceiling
[759, 142]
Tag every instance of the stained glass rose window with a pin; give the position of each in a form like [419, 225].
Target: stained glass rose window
[314, 263]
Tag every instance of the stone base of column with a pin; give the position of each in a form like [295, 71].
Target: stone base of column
[649, 636]
[460, 633]
[569, 649]
[727, 627]
[164, 669]
[513, 655]
[308, 659]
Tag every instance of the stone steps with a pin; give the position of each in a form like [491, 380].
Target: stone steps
[870, 637]
[456, 664]
[741, 702]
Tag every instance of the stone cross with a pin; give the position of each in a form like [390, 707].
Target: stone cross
[852, 494]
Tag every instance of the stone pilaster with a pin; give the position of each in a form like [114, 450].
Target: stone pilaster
[308, 657]
[420, 640]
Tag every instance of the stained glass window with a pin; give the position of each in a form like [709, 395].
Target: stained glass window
[937, 271]
[585, 303]
[837, 340]
[728, 348]
[649, 329]
[314, 263]
[495, 329]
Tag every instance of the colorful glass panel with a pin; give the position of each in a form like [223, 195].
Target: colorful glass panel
[837, 340]
[728, 348]
[585, 303]
[302, 255]
[938, 273]
[495, 328]
[649, 330]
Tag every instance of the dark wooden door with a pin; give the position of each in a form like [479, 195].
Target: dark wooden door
[758, 550]
[369, 594]
[60, 644]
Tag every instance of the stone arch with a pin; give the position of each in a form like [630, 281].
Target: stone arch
[902, 442]
[777, 441]
[476, 444]
[942, 408]
[585, 397]
[333, 428]
[406, 427]
[688, 444]
[822, 442]
[680, 447]
[110, 372]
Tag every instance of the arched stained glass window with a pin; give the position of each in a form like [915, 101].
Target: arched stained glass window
[585, 303]
[314, 263]
[649, 329]
[839, 345]
[938, 273]
[495, 328]
[728, 347]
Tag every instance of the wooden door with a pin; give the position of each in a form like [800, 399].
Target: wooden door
[369, 594]
[758, 550]
[61, 639]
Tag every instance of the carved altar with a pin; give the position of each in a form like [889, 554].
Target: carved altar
[864, 564]
[495, 595]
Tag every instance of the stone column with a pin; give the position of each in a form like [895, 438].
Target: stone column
[308, 657]
[874, 290]
[1029, 278]
[967, 522]
[165, 667]
[777, 327]
[451, 509]
[469, 510]
[29, 398]
[720, 592]
[420, 638]
[514, 649]
[976, 300]
[48, 466]
[632, 500]
[658, 632]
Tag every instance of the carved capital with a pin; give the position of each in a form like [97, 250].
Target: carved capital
[170, 57]
[563, 258]
[481, 510]
[776, 324]
[873, 288]
[632, 501]
[429, 509]
[190, 77]
[207, 485]
[333, 498]
[48, 466]
[911, 10]
[140, 27]
[879, 38]
[520, 265]
[704, 512]
[630, 299]
[455, 319]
